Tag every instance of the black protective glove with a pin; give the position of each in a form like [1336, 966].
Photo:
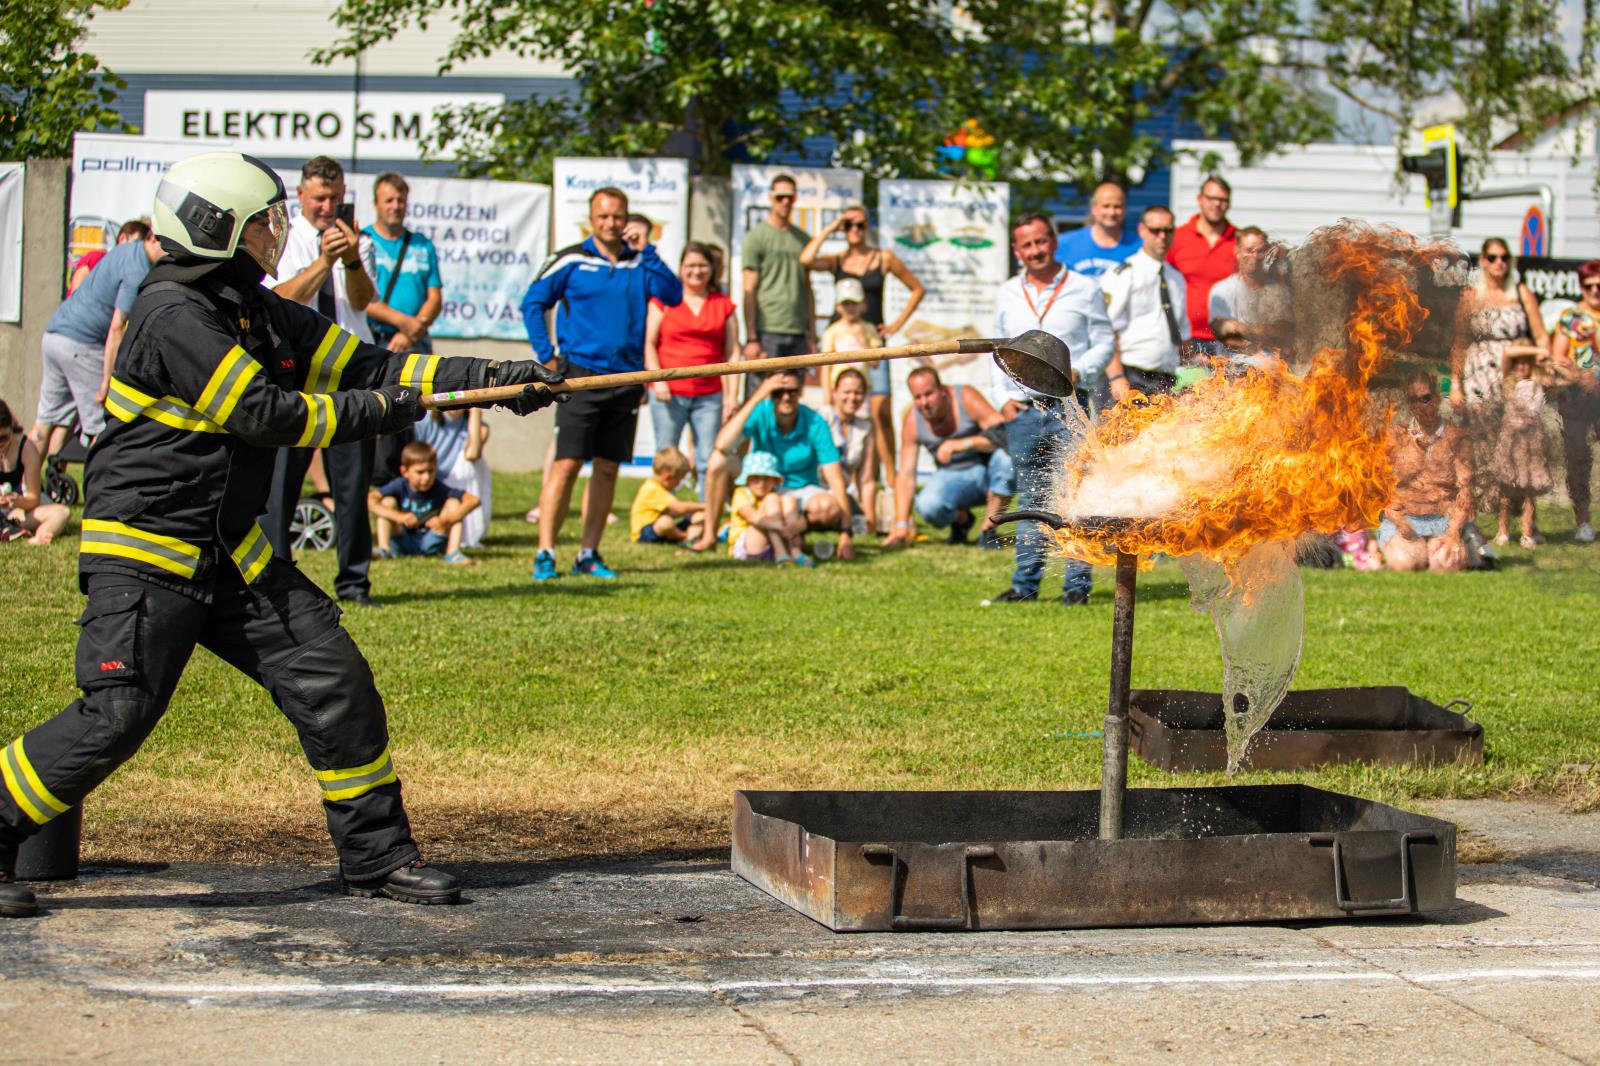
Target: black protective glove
[534, 375]
[402, 405]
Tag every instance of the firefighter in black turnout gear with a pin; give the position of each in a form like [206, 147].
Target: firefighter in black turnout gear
[214, 374]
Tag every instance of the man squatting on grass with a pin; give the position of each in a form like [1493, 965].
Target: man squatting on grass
[214, 375]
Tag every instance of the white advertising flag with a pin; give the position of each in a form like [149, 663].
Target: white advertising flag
[11, 242]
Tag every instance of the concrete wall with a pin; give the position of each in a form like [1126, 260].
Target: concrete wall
[44, 234]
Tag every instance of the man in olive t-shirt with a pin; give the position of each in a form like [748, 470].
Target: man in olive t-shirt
[779, 318]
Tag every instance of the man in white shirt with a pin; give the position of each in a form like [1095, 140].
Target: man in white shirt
[1250, 310]
[1047, 296]
[322, 267]
[1145, 301]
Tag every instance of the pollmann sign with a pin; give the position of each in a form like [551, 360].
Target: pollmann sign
[303, 124]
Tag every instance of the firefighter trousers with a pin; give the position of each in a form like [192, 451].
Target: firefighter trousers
[281, 631]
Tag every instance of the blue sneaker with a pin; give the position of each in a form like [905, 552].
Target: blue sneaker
[544, 567]
[591, 566]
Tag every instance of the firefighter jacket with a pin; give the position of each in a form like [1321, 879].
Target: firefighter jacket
[208, 382]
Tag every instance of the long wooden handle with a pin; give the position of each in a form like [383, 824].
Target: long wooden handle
[475, 397]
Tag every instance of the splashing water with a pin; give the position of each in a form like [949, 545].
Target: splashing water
[1228, 474]
[1260, 617]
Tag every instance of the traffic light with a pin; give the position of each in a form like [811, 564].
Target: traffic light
[1440, 166]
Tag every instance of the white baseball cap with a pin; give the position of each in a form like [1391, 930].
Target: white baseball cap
[849, 290]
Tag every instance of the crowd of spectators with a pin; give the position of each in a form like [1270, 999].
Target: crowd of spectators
[1138, 304]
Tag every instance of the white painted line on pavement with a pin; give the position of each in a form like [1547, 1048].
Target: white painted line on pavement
[578, 988]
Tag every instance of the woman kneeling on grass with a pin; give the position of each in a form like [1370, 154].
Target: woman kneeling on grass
[22, 487]
[1421, 528]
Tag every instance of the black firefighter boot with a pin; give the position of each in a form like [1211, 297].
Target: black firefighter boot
[15, 901]
[415, 882]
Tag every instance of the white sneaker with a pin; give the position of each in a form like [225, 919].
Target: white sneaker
[1585, 533]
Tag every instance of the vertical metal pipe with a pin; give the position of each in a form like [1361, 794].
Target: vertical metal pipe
[1114, 752]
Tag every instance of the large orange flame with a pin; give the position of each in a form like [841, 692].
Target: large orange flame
[1267, 455]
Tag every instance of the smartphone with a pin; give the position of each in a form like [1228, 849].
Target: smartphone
[347, 214]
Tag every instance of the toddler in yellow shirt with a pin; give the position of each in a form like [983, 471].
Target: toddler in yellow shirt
[658, 516]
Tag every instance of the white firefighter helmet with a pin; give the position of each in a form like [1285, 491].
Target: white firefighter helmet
[206, 201]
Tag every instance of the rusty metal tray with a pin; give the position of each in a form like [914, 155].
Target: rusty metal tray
[860, 861]
[1177, 730]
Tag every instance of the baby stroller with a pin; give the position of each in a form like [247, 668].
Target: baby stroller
[59, 485]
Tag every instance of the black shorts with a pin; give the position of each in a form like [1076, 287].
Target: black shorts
[599, 423]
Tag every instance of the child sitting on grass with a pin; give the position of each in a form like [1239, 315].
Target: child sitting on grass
[766, 526]
[659, 517]
[417, 513]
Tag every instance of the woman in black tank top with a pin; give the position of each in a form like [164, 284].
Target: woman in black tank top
[870, 265]
[23, 510]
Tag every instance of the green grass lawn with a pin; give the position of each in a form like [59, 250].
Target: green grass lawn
[581, 716]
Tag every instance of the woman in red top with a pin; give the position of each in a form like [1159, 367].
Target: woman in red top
[702, 329]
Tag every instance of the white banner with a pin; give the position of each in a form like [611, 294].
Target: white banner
[299, 125]
[819, 197]
[114, 180]
[656, 188]
[491, 237]
[954, 237]
[11, 242]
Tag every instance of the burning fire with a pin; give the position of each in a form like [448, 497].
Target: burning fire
[1266, 455]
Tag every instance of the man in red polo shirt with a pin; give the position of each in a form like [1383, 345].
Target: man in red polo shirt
[1203, 251]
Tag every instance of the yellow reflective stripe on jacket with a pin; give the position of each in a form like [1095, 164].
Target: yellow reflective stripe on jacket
[357, 780]
[418, 371]
[320, 421]
[227, 384]
[127, 403]
[327, 365]
[253, 553]
[103, 537]
[26, 788]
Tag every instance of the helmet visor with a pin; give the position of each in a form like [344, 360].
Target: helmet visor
[265, 235]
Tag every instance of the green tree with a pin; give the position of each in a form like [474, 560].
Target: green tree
[1064, 86]
[48, 89]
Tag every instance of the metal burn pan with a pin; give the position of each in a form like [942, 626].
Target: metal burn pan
[1176, 730]
[861, 861]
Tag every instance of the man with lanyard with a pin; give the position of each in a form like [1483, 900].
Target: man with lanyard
[322, 269]
[1050, 297]
[1145, 301]
[410, 293]
[214, 375]
[603, 288]
[1203, 250]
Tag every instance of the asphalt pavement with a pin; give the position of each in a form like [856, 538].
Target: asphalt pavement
[681, 960]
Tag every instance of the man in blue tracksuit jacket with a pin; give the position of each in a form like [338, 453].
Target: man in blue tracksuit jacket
[602, 288]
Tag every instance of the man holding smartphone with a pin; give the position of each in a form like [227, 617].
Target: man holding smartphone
[600, 291]
[323, 268]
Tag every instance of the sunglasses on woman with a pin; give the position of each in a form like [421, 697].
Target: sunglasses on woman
[854, 225]
[1495, 257]
[1591, 286]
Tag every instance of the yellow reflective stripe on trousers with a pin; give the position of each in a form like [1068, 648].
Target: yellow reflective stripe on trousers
[103, 537]
[320, 421]
[227, 384]
[26, 788]
[127, 403]
[253, 554]
[418, 371]
[357, 780]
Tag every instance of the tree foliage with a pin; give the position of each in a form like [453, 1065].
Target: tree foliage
[1064, 86]
[48, 89]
